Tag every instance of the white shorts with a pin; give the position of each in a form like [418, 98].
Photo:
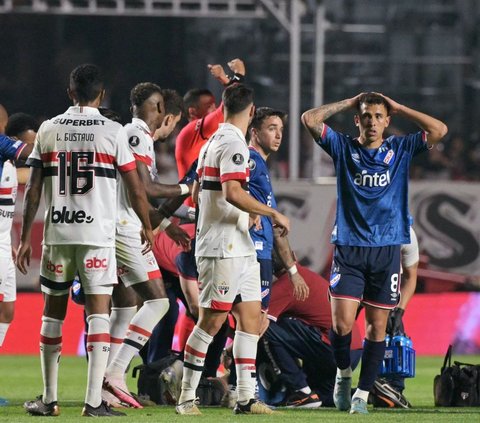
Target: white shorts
[96, 267]
[409, 252]
[132, 266]
[221, 280]
[8, 291]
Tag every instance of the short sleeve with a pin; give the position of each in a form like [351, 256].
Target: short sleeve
[234, 162]
[35, 157]
[332, 142]
[124, 158]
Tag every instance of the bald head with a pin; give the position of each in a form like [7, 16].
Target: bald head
[3, 119]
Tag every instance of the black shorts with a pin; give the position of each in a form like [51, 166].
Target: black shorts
[367, 274]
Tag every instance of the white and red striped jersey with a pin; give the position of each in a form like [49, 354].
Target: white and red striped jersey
[8, 194]
[141, 145]
[80, 152]
[222, 229]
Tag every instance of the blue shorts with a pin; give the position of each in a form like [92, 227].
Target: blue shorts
[370, 275]
[266, 276]
[186, 264]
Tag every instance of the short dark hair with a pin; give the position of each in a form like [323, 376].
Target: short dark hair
[87, 82]
[236, 98]
[263, 113]
[173, 102]
[373, 98]
[191, 97]
[20, 122]
[142, 91]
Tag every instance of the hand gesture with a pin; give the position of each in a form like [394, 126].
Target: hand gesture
[394, 106]
[218, 73]
[23, 257]
[237, 66]
[395, 323]
[301, 291]
[177, 234]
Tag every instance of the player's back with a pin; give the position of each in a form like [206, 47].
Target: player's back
[79, 152]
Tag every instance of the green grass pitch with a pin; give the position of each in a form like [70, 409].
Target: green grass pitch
[20, 380]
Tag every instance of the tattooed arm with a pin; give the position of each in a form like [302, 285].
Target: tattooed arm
[313, 119]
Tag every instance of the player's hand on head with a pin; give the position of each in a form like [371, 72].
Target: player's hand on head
[394, 106]
[179, 236]
[301, 291]
[218, 73]
[237, 66]
[23, 257]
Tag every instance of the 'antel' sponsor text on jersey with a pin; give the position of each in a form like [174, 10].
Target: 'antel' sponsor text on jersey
[79, 152]
[372, 188]
[222, 229]
[8, 194]
[260, 188]
[141, 144]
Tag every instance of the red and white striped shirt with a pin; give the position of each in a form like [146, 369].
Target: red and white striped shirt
[80, 152]
[222, 229]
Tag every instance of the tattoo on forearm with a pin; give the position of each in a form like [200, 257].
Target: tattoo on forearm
[319, 115]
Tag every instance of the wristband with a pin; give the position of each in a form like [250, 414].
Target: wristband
[237, 78]
[164, 224]
[184, 189]
[292, 270]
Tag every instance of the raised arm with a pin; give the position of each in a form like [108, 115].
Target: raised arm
[313, 119]
[434, 128]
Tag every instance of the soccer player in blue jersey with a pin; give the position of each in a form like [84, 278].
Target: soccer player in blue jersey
[266, 132]
[372, 222]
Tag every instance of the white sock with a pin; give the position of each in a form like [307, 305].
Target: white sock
[361, 394]
[195, 352]
[98, 346]
[306, 390]
[120, 318]
[3, 332]
[345, 372]
[244, 354]
[50, 350]
[138, 333]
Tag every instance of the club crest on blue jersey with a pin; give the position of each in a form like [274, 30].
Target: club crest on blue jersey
[134, 140]
[238, 159]
[252, 164]
[223, 288]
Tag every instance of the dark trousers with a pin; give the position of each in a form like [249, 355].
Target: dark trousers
[290, 339]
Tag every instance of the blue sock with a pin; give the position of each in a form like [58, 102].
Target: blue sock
[341, 348]
[373, 353]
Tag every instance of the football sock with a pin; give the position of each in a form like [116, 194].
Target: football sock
[359, 393]
[244, 354]
[372, 356]
[50, 350]
[98, 343]
[341, 349]
[3, 332]
[120, 318]
[195, 352]
[138, 333]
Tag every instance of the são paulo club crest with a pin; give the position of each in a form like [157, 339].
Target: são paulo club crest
[223, 288]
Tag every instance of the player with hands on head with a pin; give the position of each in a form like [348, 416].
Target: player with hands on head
[372, 222]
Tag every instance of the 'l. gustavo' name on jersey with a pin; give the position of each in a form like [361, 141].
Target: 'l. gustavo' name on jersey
[372, 188]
